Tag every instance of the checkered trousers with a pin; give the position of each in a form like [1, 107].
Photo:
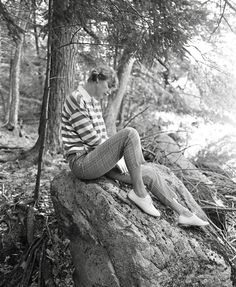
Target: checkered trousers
[105, 156]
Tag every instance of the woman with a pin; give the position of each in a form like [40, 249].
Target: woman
[92, 154]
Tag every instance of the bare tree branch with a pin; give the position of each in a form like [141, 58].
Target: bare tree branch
[230, 5]
[220, 19]
[92, 34]
[74, 34]
[136, 116]
[92, 44]
[230, 27]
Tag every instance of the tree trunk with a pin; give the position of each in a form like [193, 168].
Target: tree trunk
[114, 102]
[1, 95]
[62, 76]
[62, 69]
[13, 102]
[40, 69]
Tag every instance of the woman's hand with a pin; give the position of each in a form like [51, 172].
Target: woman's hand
[122, 165]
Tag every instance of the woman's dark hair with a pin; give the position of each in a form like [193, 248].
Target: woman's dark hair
[96, 76]
[104, 73]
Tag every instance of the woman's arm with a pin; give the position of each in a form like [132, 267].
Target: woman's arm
[82, 124]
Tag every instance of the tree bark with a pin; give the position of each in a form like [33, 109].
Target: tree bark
[114, 102]
[40, 69]
[62, 69]
[13, 102]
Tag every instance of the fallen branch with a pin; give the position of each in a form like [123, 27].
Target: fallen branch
[10, 147]
[226, 209]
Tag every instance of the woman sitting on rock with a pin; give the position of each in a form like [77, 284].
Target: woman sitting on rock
[91, 153]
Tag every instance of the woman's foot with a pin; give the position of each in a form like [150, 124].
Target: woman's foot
[193, 220]
[145, 203]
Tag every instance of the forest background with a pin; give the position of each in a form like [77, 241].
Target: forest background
[176, 66]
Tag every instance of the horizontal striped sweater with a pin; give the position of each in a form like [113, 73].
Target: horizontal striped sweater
[83, 127]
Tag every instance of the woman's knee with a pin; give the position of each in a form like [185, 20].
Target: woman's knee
[131, 132]
[147, 174]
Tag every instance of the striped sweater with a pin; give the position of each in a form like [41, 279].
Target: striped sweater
[83, 127]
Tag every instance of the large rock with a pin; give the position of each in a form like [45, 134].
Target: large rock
[172, 156]
[113, 243]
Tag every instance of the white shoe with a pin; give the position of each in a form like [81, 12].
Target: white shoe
[192, 220]
[145, 203]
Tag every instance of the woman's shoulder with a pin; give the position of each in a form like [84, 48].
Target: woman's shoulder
[81, 96]
[74, 100]
[76, 95]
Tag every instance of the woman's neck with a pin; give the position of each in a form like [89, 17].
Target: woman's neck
[90, 89]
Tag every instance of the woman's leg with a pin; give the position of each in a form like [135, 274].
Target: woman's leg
[158, 186]
[105, 156]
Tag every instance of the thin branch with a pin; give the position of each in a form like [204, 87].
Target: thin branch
[230, 27]
[92, 34]
[218, 208]
[230, 5]
[211, 66]
[200, 52]
[204, 3]
[74, 34]
[132, 118]
[136, 12]
[45, 106]
[220, 19]
[92, 44]
[178, 151]
[163, 64]
[154, 135]
[10, 147]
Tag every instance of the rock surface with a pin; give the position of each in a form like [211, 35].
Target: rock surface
[113, 243]
[175, 158]
[169, 154]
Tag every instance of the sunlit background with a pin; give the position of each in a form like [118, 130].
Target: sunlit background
[198, 134]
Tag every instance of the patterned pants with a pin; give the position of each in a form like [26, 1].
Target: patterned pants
[104, 157]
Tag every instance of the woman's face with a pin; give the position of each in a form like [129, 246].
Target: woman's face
[102, 89]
